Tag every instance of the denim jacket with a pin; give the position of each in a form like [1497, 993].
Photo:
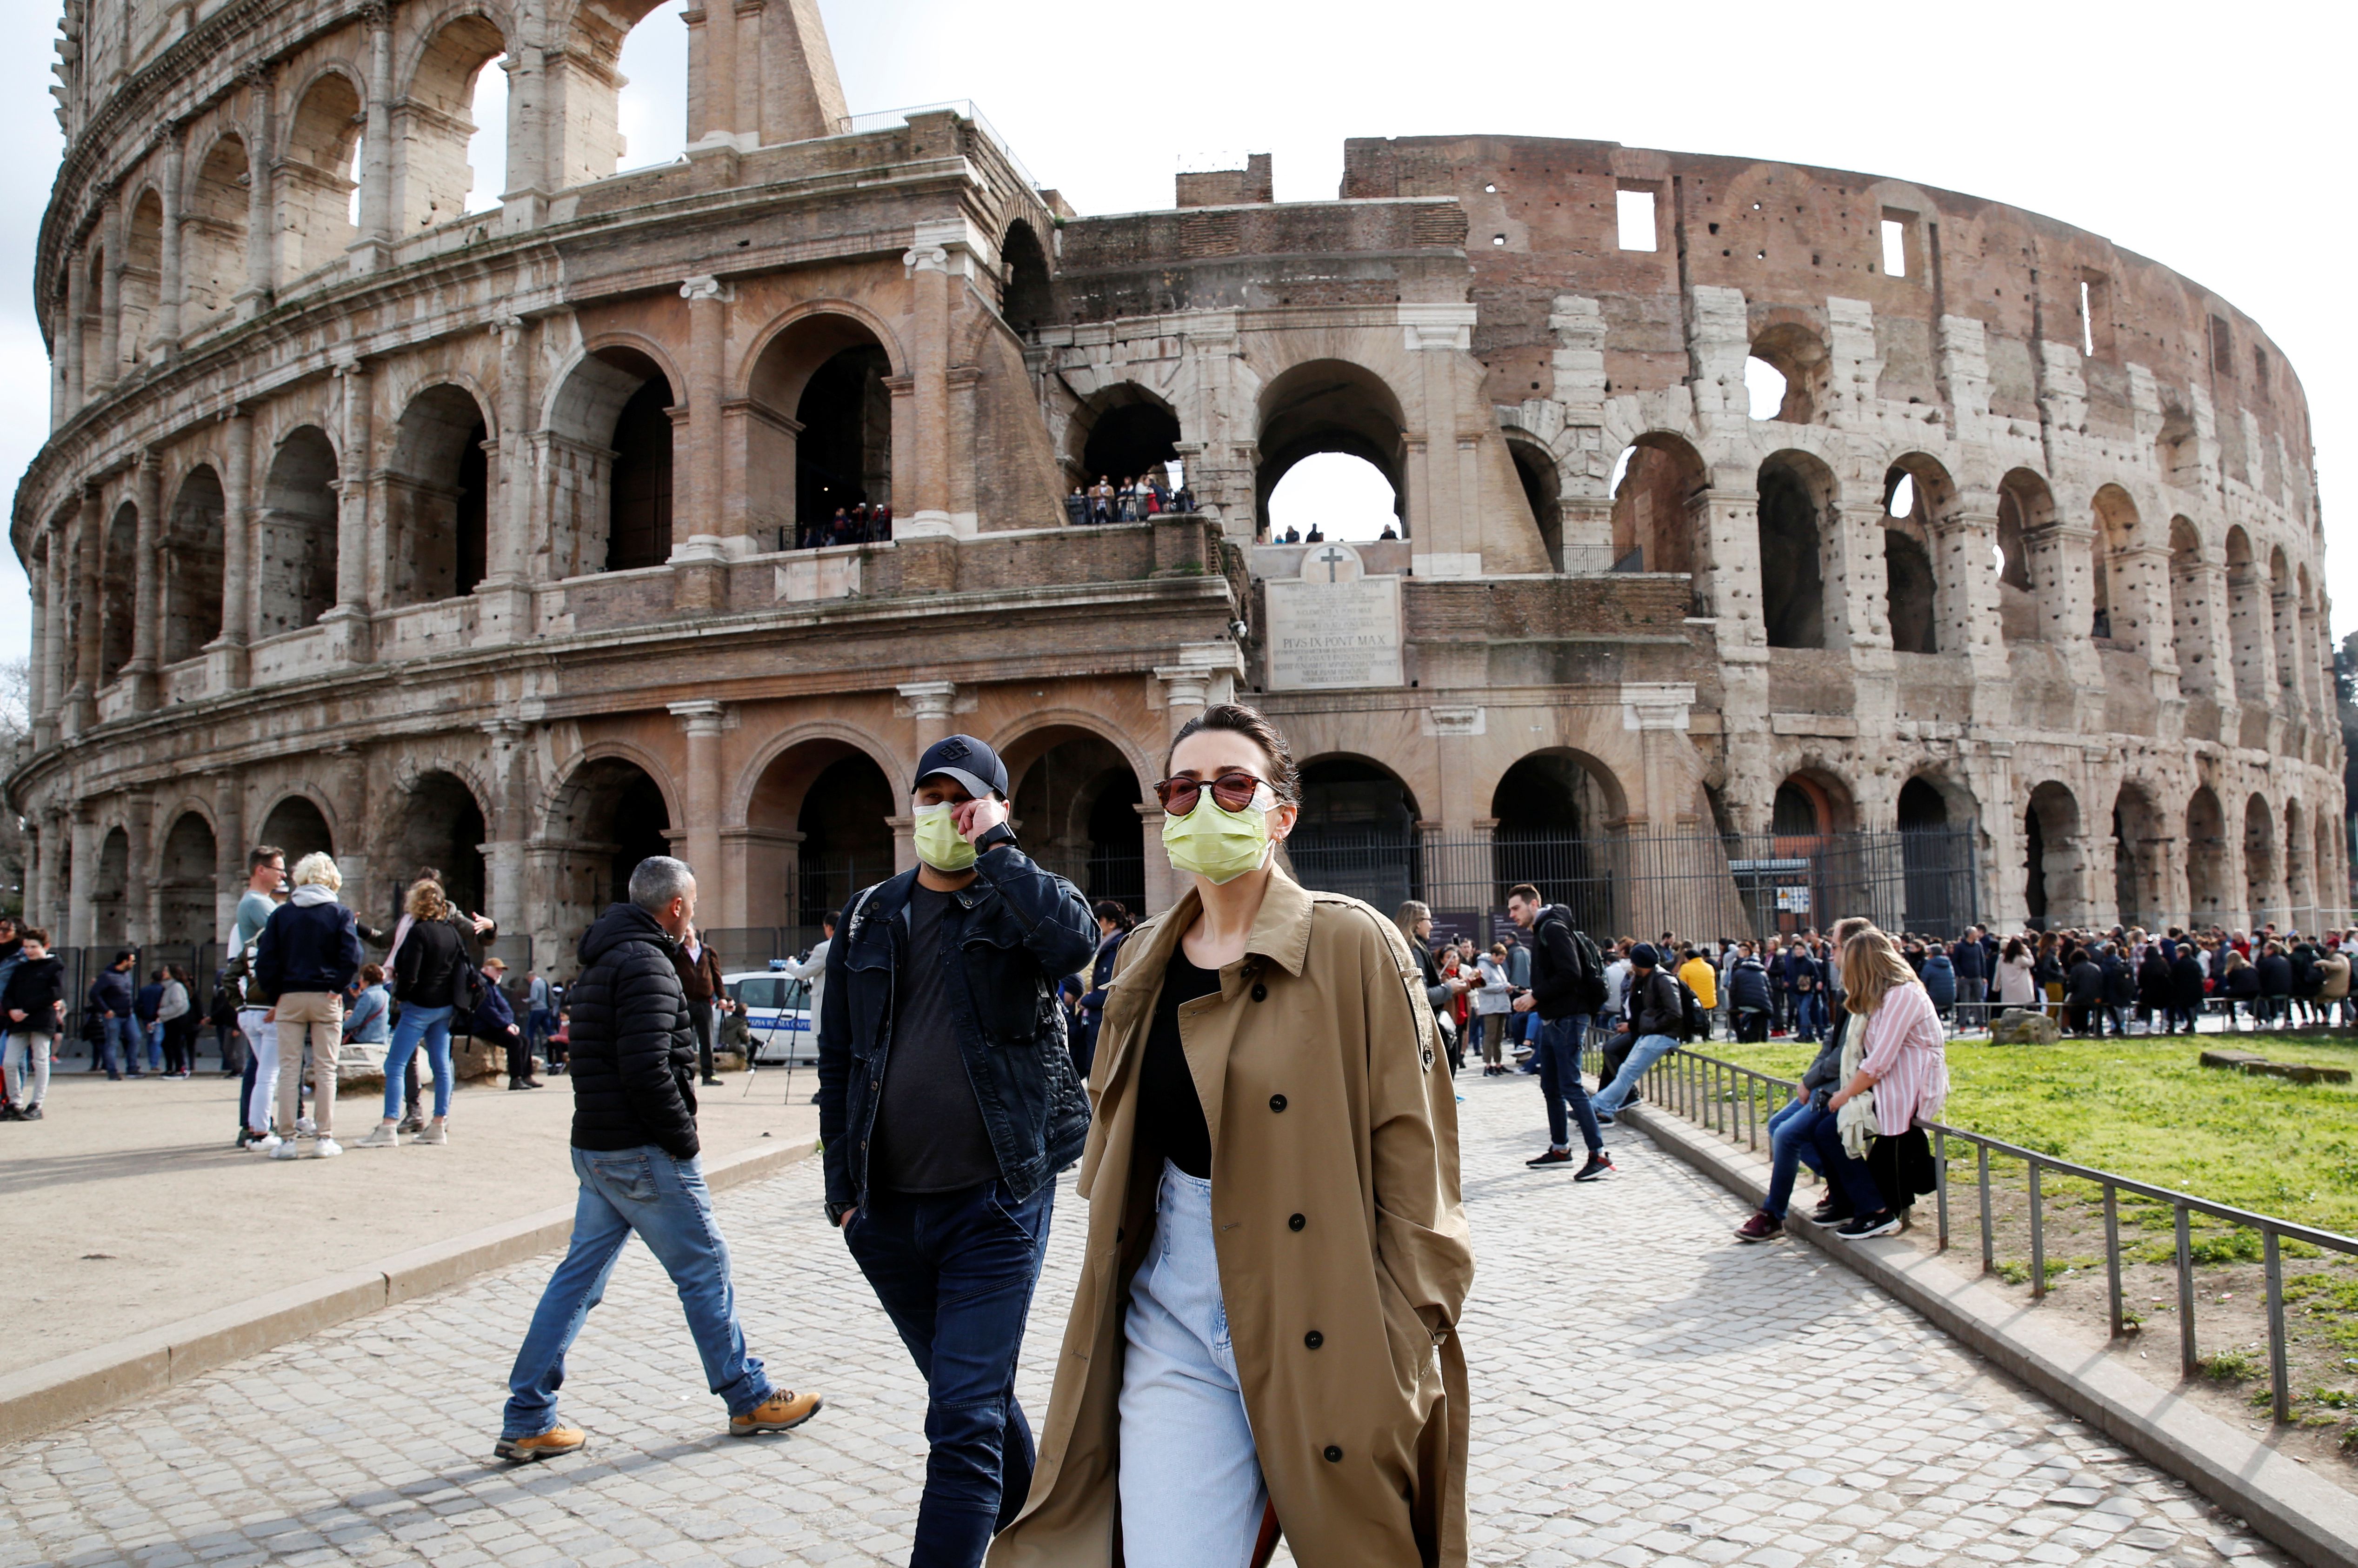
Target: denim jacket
[1007, 940]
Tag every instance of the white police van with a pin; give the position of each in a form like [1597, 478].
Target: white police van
[777, 1012]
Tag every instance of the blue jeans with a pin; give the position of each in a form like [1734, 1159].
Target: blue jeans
[1560, 1081]
[1790, 1148]
[118, 1046]
[1809, 1016]
[663, 1200]
[432, 1026]
[1649, 1049]
[955, 1273]
[1844, 1170]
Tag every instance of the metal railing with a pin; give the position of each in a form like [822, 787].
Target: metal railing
[1704, 1089]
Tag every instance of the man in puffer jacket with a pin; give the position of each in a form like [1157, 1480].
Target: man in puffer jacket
[635, 1153]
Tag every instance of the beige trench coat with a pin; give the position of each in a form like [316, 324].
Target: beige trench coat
[1345, 1259]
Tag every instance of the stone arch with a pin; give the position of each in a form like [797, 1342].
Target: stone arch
[1915, 599]
[2113, 568]
[110, 908]
[2139, 895]
[1553, 812]
[2053, 875]
[2331, 877]
[2308, 638]
[612, 806]
[143, 277]
[1542, 478]
[1358, 830]
[118, 578]
[2283, 608]
[298, 822]
[191, 564]
[2189, 609]
[2263, 884]
[213, 236]
[1078, 788]
[2025, 510]
[1027, 300]
[2206, 859]
[1796, 350]
[1329, 405]
[1936, 816]
[1812, 802]
[315, 175]
[295, 545]
[1797, 522]
[1119, 432]
[2250, 621]
[611, 424]
[2300, 887]
[186, 907]
[441, 821]
[819, 418]
[1659, 506]
[591, 144]
[438, 496]
[820, 807]
[433, 112]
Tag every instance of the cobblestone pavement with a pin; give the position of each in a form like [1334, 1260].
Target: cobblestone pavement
[1646, 1392]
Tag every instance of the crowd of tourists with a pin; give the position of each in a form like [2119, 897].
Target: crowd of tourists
[858, 524]
[1135, 500]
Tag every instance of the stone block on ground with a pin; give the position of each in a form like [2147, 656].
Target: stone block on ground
[2021, 1026]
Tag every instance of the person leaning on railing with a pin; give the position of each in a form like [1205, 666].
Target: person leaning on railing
[1790, 1143]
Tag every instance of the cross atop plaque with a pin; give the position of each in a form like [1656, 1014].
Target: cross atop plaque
[1332, 563]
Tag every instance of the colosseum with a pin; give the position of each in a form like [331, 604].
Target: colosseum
[477, 538]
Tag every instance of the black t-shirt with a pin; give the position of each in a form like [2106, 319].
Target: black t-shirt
[929, 1135]
[1170, 1114]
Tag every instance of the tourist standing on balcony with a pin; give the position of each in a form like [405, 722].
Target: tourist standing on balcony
[947, 1104]
[1270, 1330]
[637, 1159]
[309, 951]
[1567, 985]
[34, 1003]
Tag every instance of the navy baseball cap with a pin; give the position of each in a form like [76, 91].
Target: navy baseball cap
[968, 760]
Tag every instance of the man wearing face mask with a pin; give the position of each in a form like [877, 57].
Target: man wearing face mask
[947, 1104]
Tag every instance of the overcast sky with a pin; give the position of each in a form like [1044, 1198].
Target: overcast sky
[2209, 139]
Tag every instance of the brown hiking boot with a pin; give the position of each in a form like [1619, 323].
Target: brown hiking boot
[556, 1440]
[783, 1409]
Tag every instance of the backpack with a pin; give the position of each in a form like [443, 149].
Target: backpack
[1588, 964]
[1692, 1024]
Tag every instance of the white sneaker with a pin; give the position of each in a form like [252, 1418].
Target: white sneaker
[306, 1126]
[265, 1145]
[327, 1148]
[381, 1137]
[436, 1133]
[287, 1150]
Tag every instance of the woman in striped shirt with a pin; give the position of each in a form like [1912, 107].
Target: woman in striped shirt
[1902, 1060]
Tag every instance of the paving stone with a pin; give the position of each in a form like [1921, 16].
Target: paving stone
[1646, 1392]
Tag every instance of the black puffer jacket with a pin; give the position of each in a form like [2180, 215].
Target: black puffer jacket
[632, 1059]
[426, 970]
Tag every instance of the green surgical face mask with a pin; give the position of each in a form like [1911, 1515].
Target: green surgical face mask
[939, 843]
[1219, 846]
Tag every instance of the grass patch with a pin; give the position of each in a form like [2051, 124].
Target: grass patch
[2147, 1108]
[2230, 1366]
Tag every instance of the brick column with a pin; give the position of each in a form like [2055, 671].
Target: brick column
[261, 207]
[229, 846]
[82, 919]
[703, 722]
[350, 638]
[172, 283]
[374, 250]
[928, 267]
[139, 911]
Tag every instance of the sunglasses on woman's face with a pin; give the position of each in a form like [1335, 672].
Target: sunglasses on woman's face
[1232, 791]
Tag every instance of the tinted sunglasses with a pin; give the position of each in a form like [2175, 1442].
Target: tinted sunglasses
[1230, 792]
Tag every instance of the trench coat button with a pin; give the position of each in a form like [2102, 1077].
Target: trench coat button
[1333, 1455]
[1296, 1223]
[1277, 1102]
[1260, 992]
[1314, 1339]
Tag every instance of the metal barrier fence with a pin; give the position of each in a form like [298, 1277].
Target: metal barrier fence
[1704, 1090]
[1703, 886]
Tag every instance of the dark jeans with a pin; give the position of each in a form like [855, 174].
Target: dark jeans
[1849, 1175]
[955, 1273]
[1791, 1145]
[1560, 1081]
[519, 1047]
[700, 1018]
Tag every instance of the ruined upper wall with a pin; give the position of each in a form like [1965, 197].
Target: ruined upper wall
[1542, 221]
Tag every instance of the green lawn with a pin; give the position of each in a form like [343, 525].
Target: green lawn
[2147, 1110]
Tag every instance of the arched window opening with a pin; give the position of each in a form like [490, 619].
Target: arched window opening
[214, 238]
[613, 815]
[1936, 861]
[1312, 416]
[436, 129]
[2189, 610]
[1543, 492]
[844, 455]
[118, 580]
[108, 907]
[2250, 619]
[847, 840]
[1553, 812]
[143, 280]
[1128, 434]
[296, 825]
[2206, 857]
[646, 122]
[1791, 367]
[441, 826]
[1358, 832]
[1028, 302]
[2300, 896]
[2025, 509]
[2111, 567]
[1656, 495]
[639, 531]
[186, 908]
[1793, 574]
[1921, 809]
[1911, 593]
[316, 190]
[1798, 811]
[2261, 888]
[438, 497]
[1078, 802]
[192, 564]
[487, 147]
[2284, 607]
[296, 543]
[2050, 831]
[2136, 867]
[820, 434]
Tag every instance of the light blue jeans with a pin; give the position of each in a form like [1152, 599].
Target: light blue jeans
[431, 1025]
[1192, 1493]
[665, 1201]
[1648, 1049]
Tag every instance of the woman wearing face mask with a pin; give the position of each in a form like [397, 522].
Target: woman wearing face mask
[1264, 1337]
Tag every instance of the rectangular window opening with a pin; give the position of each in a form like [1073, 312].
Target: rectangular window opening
[2087, 323]
[2222, 346]
[1635, 210]
[1895, 247]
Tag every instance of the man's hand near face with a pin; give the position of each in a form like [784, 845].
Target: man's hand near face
[976, 817]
